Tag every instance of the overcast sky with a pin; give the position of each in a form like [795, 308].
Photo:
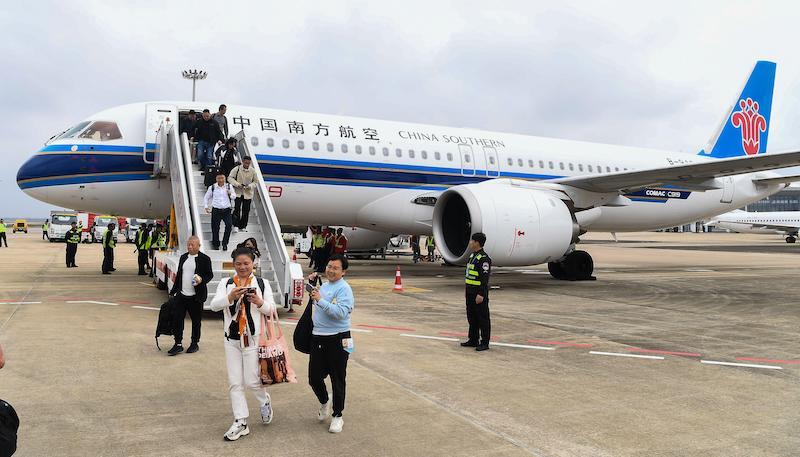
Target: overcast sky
[631, 73]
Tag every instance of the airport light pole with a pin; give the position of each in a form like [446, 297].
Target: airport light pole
[194, 75]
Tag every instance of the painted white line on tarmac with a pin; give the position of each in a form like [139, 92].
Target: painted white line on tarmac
[94, 302]
[636, 356]
[146, 307]
[20, 303]
[352, 329]
[426, 337]
[698, 269]
[746, 365]
[521, 346]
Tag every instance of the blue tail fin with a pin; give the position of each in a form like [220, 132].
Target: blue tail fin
[745, 128]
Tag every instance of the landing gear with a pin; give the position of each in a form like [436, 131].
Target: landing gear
[576, 266]
[791, 239]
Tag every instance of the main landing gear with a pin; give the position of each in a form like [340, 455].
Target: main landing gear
[791, 239]
[576, 266]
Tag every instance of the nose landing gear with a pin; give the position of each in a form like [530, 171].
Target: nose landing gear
[576, 266]
[791, 239]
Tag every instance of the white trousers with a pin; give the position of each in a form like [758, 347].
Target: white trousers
[243, 373]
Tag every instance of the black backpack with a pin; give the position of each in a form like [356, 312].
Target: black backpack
[9, 425]
[165, 317]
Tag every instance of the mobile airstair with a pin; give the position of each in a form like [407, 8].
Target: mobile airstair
[172, 161]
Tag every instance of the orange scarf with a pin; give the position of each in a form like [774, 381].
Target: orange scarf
[241, 317]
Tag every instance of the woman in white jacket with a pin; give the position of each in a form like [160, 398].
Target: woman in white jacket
[243, 302]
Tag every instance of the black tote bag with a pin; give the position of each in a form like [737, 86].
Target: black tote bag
[302, 332]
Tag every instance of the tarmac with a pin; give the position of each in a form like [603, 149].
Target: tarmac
[685, 345]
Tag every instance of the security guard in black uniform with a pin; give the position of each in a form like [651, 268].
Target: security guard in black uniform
[479, 267]
[108, 249]
[73, 238]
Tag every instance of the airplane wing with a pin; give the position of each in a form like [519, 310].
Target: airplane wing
[778, 180]
[778, 227]
[698, 176]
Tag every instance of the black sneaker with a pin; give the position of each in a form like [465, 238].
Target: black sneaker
[469, 344]
[176, 349]
[106, 272]
[192, 348]
[482, 347]
[224, 247]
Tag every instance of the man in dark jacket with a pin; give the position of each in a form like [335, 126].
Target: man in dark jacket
[479, 268]
[207, 134]
[226, 156]
[189, 293]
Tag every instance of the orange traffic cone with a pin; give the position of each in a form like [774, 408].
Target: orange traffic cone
[398, 281]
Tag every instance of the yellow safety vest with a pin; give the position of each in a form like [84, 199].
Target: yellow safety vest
[73, 236]
[161, 241]
[147, 243]
[2, 228]
[318, 241]
[108, 240]
[472, 276]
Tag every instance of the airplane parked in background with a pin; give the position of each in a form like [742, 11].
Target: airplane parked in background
[783, 222]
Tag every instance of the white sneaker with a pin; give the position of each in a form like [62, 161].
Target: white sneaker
[324, 411]
[243, 230]
[235, 230]
[237, 430]
[266, 411]
[336, 425]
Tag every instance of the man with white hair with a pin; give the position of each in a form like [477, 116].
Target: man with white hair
[189, 293]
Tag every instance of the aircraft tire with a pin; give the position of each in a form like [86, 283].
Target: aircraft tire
[791, 239]
[557, 271]
[578, 266]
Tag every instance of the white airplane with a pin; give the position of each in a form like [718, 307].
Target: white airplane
[786, 223]
[533, 197]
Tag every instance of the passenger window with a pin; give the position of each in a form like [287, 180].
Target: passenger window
[467, 158]
[608, 169]
[590, 168]
[254, 140]
[285, 144]
[102, 131]
[510, 161]
[519, 162]
[386, 152]
[491, 160]
[358, 149]
[530, 163]
[344, 148]
[398, 152]
[330, 147]
[571, 167]
[270, 142]
[561, 165]
[424, 155]
[580, 167]
[616, 168]
[551, 164]
[315, 146]
[411, 153]
[301, 145]
[541, 164]
[437, 156]
[372, 150]
[449, 156]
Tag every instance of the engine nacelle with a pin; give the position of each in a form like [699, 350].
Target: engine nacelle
[523, 226]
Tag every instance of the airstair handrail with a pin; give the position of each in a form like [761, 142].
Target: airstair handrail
[186, 155]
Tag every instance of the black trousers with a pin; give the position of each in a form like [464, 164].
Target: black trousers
[480, 325]
[241, 211]
[328, 358]
[3, 239]
[220, 215]
[108, 259]
[195, 309]
[321, 259]
[44, 235]
[72, 249]
[142, 261]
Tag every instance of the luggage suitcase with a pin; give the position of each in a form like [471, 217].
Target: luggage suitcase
[164, 326]
[210, 175]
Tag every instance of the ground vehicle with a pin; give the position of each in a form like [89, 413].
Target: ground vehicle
[133, 228]
[60, 223]
[20, 225]
[102, 227]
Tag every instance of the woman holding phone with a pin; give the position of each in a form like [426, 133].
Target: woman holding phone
[243, 298]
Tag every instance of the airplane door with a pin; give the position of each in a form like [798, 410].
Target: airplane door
[155, 115]
[467, 160]
[492, 162]
[727, 190]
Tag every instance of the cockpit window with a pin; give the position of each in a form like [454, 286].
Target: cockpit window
[102, 131]
[72, 131]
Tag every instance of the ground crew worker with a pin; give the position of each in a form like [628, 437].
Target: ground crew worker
[479, 267]
[3, 233]
[339, 242]
[73, 238]
[159, 242]
[108, 249]
[143, 241]
[429, 243]
[318, 245]
[45, 229]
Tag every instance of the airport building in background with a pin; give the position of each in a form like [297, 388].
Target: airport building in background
[786, 200]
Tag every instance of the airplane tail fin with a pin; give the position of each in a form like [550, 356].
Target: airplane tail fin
[745, 127]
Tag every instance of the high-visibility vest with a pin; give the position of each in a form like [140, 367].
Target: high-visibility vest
[143, 244]
[108, 240]
[161, 241]
[73, 236]
[45, 226]
[430, 242]
[472, 276]
[2, 228]
[318, 241]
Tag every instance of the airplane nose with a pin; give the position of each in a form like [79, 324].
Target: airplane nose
[26, 173]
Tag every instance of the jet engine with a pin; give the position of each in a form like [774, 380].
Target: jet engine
[523, 226]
